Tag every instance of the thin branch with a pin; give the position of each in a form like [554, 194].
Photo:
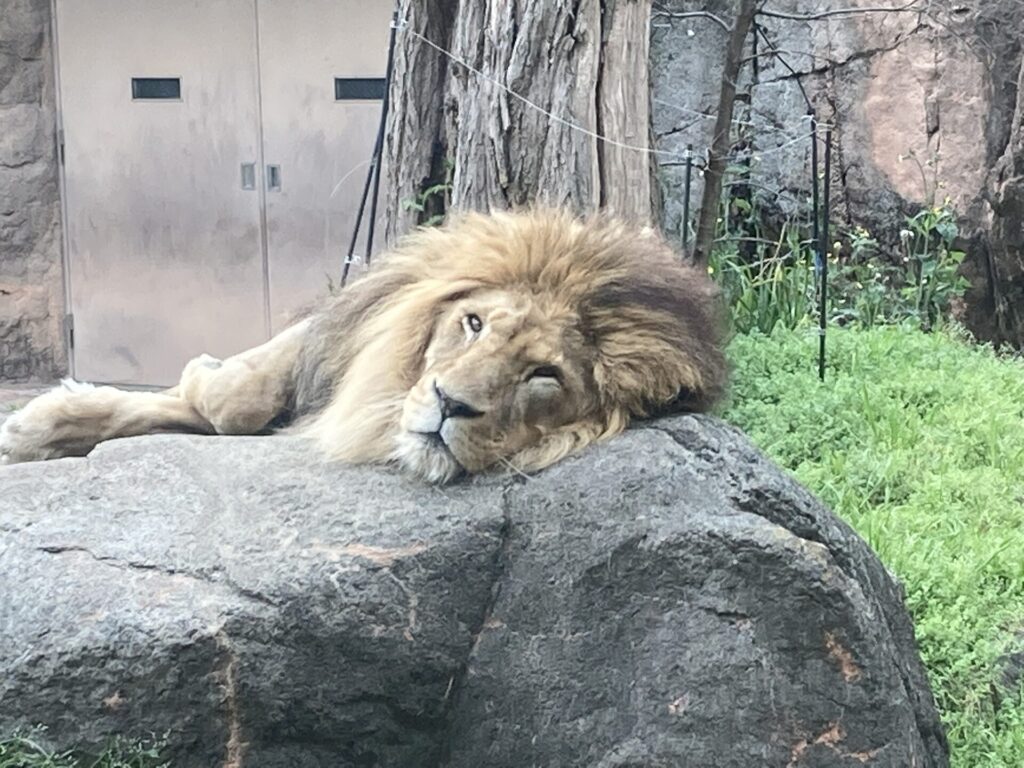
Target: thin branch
[790, 51]
[694, 14]
[911, 7]
[758, 29]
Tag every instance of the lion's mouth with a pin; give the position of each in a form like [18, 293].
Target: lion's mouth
[435, 441]
[429, 455]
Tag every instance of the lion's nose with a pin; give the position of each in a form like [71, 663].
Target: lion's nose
[450, 407]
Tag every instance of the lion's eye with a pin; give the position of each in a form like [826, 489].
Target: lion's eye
[473, 323]
[545, 372]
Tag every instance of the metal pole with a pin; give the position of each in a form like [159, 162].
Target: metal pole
[825, 247]
[379, 150]
[815, 210]
[373, 174]
[686, 196]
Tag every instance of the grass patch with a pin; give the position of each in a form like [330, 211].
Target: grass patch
[27, 751]
[916, 440]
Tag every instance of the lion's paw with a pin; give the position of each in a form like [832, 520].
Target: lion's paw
[20, 441]
[32, 433]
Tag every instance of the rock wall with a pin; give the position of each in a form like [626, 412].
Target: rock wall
[31, 276]
[923, 106]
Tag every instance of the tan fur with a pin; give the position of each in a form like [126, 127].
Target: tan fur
[582, 325]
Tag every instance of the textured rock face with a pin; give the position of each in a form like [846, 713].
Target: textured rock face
[923, 105]
[31, 280]
[669, 598]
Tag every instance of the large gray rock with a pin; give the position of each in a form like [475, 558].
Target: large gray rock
[668, 598]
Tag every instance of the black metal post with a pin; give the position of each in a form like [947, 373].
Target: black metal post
[815, 210]
[686, 196]
[825, 248]
[373, 174]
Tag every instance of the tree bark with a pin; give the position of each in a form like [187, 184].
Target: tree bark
[624, 108]
[413, 159]
[579, 70]
[1005, 254]
[719, 153]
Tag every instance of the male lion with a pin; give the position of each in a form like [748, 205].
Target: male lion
[511, 339]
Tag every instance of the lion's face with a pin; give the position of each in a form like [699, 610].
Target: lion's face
[510, 340]
[502, 371]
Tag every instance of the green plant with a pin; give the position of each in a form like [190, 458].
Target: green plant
[777, 288]
[917, 440]
[933, 264]
[772, 282]
[25, 750]
[863, 286]
[433, 201]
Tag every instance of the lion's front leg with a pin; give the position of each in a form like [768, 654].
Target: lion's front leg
[243, 394]
[71, 419]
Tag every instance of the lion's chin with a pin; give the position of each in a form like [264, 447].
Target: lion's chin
[426, 456]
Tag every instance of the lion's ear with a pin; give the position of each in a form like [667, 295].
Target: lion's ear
[659, 333]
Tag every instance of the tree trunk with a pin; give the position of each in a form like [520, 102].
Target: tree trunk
[719, 153]
[1006, 242]
[575, 71]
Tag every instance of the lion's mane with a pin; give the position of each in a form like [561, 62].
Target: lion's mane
[654, 323]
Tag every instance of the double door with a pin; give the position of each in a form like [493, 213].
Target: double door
[213, 157]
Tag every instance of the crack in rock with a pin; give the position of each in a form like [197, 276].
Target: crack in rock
[128, 565]
[487, 621]
[236, 745]
[833, 64]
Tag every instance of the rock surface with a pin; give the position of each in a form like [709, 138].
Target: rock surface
[31, 280]
[668, 598]
[925, 104]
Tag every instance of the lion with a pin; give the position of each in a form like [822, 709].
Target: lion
[508, 340]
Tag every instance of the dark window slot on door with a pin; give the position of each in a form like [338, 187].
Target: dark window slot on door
[157, 88]
[358, 88]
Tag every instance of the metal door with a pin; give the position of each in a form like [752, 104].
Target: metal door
[321, 73]
[160, 111]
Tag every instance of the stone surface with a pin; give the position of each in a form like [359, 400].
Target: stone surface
[923, 104]
[31, 277]
[668, 598]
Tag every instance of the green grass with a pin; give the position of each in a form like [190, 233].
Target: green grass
[916, 440]
[26, 751]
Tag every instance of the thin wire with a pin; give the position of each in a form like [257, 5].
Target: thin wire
[698, 113]
[344, 178]
[758, 153]
[533, 105]
[784, 130]
[755, 153]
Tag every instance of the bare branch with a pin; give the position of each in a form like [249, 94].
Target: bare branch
[692, 15]
[912, 7]
[778, 55]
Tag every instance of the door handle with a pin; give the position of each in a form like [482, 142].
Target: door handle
[274, 178]
[248, 175]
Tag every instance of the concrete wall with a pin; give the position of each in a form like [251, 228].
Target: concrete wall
[31, 278]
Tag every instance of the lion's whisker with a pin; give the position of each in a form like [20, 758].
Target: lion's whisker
[515, 469]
